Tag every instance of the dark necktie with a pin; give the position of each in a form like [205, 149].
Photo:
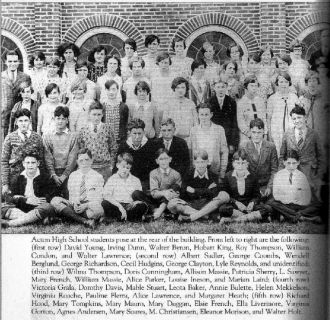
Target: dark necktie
[300, 138]
[254, 111]
[25, 136]
[290, 177]
[83, 190]
[285, 112]
[311, 110]
[167, 145]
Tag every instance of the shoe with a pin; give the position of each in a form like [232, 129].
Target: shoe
[184, 219]
[90, 223]
[136, 211]
[4, 224]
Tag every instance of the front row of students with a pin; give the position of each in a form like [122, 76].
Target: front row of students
[201, 194]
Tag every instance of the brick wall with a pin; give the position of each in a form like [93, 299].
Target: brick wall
[260, 23]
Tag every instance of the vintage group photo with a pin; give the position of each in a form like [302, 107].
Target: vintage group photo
[165, 117]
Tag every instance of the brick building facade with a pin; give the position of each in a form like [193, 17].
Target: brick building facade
[35, 25]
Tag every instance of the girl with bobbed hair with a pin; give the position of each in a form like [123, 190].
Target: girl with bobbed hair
[235, 53]
[97, 65]
[229, 75]
[130, 48]
[152, 43]
[181, 65]
[212, 69]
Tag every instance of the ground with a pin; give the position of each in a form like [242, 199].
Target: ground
[168, 227]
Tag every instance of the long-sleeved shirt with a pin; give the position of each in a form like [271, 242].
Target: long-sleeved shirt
[60, 151]
[297, 192]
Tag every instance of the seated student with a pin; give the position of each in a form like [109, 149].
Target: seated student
[118, 202]
[25, 92]
[142, 150]
[261, 156]
[99, 138]
[61, 147]
[85, 187]
[223, 108]
[165, 184]
[250, 107]
[292, 192]
[308, 146]
[200, 194]
[212, 138]
[177, 147]
[16, 144]
[244, 193]
[30, 196]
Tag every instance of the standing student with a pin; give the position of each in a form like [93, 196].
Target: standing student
[250, 107]
[98, 137]
[177, 147]
[152, 43]
[212, 138]
[30, 195]
[82, 72]
[97, 67]
[61, 148]
[25, 91]
[16, 144]
[224, 110]
[85, 187]
[53, 67]
[118, 200]
[229, 75]
[235, 53]
[212, 69]
[116, 113]
[129, 47]
[181, 65]
[261, 156]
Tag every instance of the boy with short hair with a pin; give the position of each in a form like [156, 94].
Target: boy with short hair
[118, 202]
[292, 192]
[261, 156]
[30, 195]
[85, 187]
[142, 150]
[200, 194]
[61, 148]
[177, 147]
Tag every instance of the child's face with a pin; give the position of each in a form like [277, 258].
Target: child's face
[82, 72]
[209, 52]
[153, 46]
[54, 95]
[12, 62]
[200, 165]
[68, 55]
[23, 123]
[252, 88]
[199, 71]
[179, 47]
[95, 116]
[220, 89]
[123, 169]
[240, 165]
[31, 165]
[79, 92]
[112, 92]
[230, 70]
[299, 121]
[99, 57]
[84, 161]
[282, 83]
[266, 56]
[257, 134]
[137, 134]
[297, 52]
[180, 90]
[313, 85]
[52, 70]
[38, 63]
[204, 115]
[167, 131]
[164, 64]
[61, 122]
[142, 94]
[26, 94]
[234, 53]
[253, 66]
[112, 65]
[164, 161]
[137, 68]
[128, 50]
[282, 65]
[291, 164]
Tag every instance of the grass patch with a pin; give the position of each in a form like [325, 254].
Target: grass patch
[169, 227]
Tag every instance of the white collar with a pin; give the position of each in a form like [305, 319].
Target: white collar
[66, 131]
[234, 174]
[23, 173]
[20, 134]
[166, 172]
[205, 175]
[143, 142]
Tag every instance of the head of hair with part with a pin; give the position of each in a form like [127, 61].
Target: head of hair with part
[78, 84]
[62, 111]
[240, 154]
[177, 81]
[131, 42]
[176, 40]
[136, 124]
[143, 86]
[201, 154]
[162, 56]
[127, 157]
[150, 39]
[257, 123]
[136, 60]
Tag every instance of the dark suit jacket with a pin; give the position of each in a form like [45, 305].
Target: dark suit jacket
[193, 95]
[310, 153]
[179, 152]
[251, 188]
[226, 117]
[265, 165]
